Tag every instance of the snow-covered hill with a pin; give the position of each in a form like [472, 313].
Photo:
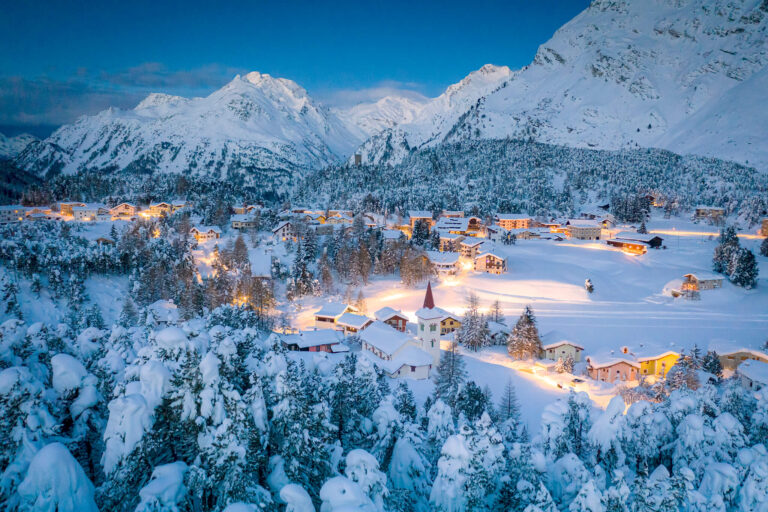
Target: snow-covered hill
[254, 122]
[684, 75]
[12, 146]
[385, 113]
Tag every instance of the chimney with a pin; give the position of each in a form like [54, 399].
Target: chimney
[429, 301]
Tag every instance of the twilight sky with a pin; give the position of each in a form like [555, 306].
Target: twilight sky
[60, 59]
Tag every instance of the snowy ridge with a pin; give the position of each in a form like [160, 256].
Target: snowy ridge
[254, 122]
[385, 113]
[681, 75]
[12, 146]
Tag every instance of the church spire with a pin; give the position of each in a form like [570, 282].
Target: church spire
[429, 301]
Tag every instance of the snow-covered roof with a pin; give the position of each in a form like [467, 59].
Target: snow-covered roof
[732, 351]
[443, 258]
[635, 237]
[242, 217]
[611, 361]
[353, 320]
[497, 328]
[705, 276]
[452, 223]
[206, 229]
[333, 309]
[419, 214]
[384, 337]
[391, 234]
[556, 344]
[471, 242]
[446, 314]
[444, 235]
[281, 225]
[583, 223]
[89, 207]
[306, 339]
[756, 371]
[704, 207]
[657, 356]
[512, 216]
[429, 313]
[387, 312]
[408, 356]
[491, 249]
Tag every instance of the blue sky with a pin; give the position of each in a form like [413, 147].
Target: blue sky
[62, 59]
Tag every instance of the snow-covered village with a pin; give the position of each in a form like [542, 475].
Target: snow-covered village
[543, 288]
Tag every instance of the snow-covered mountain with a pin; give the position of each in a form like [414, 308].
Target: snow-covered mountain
[684, 75]
[254, 122]
[12, 146]
[385, 113]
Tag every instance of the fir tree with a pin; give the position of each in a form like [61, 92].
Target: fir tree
[497, 314]
[711, 363]
[524, 342]
[450, 375]
[743, 270]
[405, 402]
[12, 306]
[420, 234]
[471, 401]
[728, 245]
[642, 229]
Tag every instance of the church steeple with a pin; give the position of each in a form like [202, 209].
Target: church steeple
[429, 301]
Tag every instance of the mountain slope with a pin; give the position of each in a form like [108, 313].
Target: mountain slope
[255, 122]
[385, 113]
[674, 74]
[12, 146]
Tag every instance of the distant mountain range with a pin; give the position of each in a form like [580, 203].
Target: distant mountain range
[685, 75]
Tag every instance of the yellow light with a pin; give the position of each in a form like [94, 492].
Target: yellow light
[677, 232]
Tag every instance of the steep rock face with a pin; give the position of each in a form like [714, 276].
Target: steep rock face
[254, 122]
[683, 75]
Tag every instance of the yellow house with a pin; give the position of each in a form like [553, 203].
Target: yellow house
[449, 324]
[658, 365]
[731, 360]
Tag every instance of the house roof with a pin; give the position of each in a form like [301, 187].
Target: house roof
[556, 344]
[704, 207]
[452, 223]
[333, 309]
[472, 242]
[387, 312]
[384, 337]
[658, 356]
[391, 234]
[353, 320]
[635, 237]
[512, 216]
[756, 371]
[705, 276]
[429, 313]
[306, 339]
[583, 223]
[443, 258]
[242, 217]
[281, 225]
[408, 356]
[206, 229]
[612, 361]
[419, 214]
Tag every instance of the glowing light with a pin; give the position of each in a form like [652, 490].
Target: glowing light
[467, 265]
[676, 232]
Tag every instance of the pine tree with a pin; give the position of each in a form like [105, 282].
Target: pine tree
[743, 270]
[711, 363]
[450, 375]
[240, 252]
[642, 229]
[473, 333]
[420, 234]
[405, 402]
[12, 306]
[524, 342]
[37, 285]
[497, 314]
[728, 245]
[471, 401]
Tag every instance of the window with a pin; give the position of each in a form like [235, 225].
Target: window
[433, 327]
[413, 369]
[422, 327]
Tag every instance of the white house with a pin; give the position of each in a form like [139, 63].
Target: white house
[397, 353]
[562, 350]
[352, 323]
[91, 212]
[753, 375]
[444, 263]
[204, 233]
[322, 340]
[326, 316]
[124, 210]
[583, 229]
[12, 213]
[284, 231]
[243, 221]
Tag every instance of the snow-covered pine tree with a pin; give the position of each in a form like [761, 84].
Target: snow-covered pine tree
[743, 270]
[471, 402]
[524, 342]
[450, 375]
[728, 245]
[711, 363]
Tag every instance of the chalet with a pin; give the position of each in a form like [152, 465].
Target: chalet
[453, 225]
[451, 214]
[314, 217]
[450, 242]
[340, 213]
[695, 283]
[90, 212]
[652, 241]
[391, 236]
[513, 220]
[469, 247]
[490, 261]
[124, 210]
[552, 226]
[658, 365]
[178, 204]
[352, 323]
[753, 375]
[448, 322]
[66, 207]
[158, 209]
[340, 219]
[526, 233]
[323, 340]
[397, 353]
[326, 317]
[613, 369]
[205, 233]
[12, 213]
[417, 215]
[444, 263]
[764, 227]
[562, 350]
[284, 231]
[583, 229]
[711, 213]
[628, 246]
[731, 360]
[243, 221]
[392, 317]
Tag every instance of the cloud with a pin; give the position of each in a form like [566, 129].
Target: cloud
[345, 98]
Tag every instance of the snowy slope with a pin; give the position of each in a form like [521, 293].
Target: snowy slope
[12, 146]
[385, 113]
[684, 75]
[255, 121]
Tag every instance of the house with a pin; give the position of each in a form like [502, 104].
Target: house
[450, 242]
[526, 233]
[694, 283]
[417, 215]
[453, 225]
[322, 340]
[451, 214]
[12, 213]
[753, 375]
[261, 264]
[158, 209]
[325, 317]
[490, 261]
[731, 360]
[583, 229]
[764, 228]
[613, 369]
[711, 213]
[90, 212]
[652, 241]
[499, 332]
[658, 365]
[284, 231]
[562, 350]
[469, 247]
[391, 236]
[429, 325]
[352, 323]
[392, 317]
[513, 220]
[397, 353]
[444, 263]
[205, 233]
[178, 204]
[448, 322]
[495, 233]
[243, 221]
[628, 246]
[66, 207]
[124, 210]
